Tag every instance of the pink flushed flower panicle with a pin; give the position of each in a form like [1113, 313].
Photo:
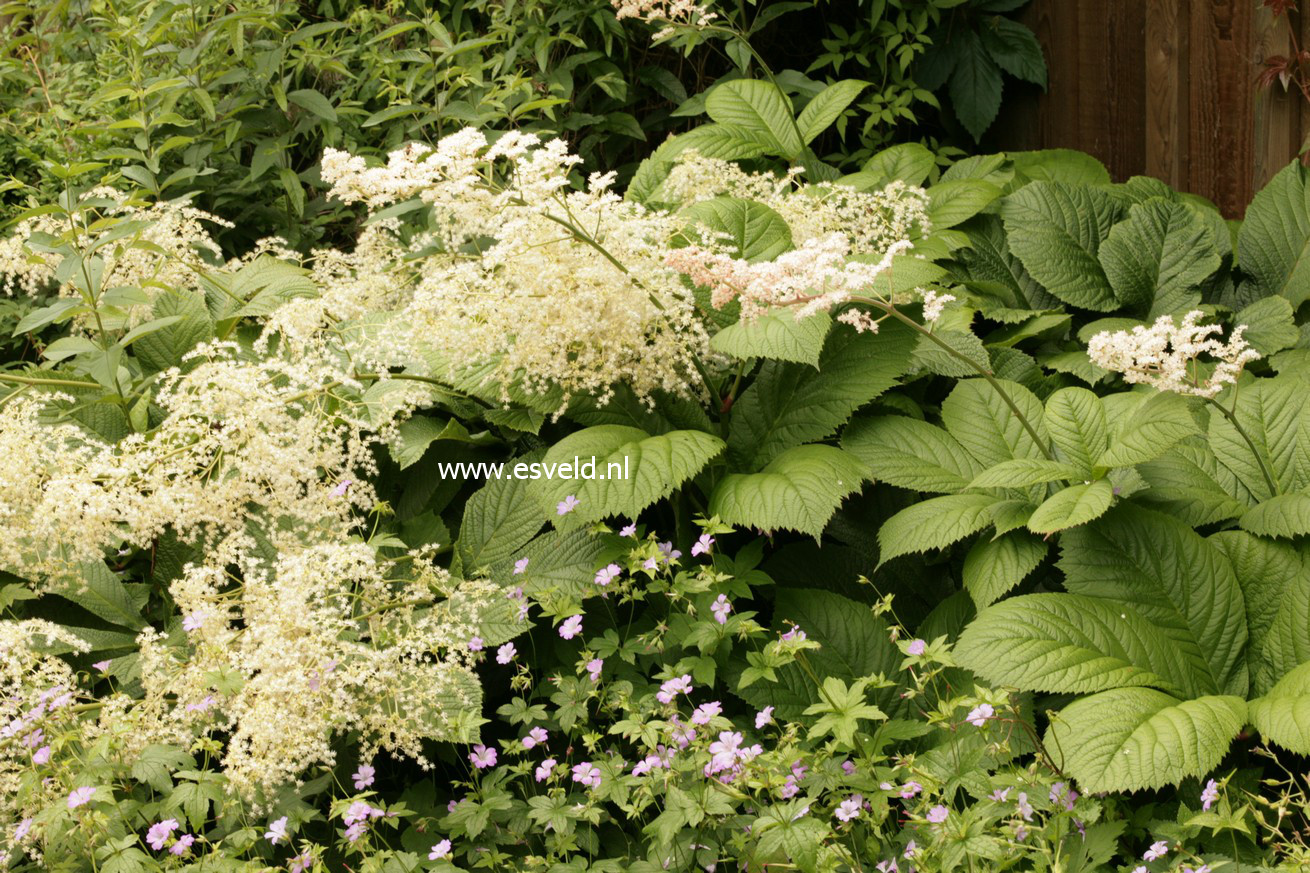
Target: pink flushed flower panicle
[815, 277]
[1165, 355]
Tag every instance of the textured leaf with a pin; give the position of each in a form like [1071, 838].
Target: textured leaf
[1158, 257]
[798, 490]
[1128, 739]
[979, 418]
[929, 354]
[563, 562]
[100, 592]
[415, 434]
[654, 465]
[1185, 482]
[1283, 715]
[989, 261]
[993, 567]
[1286, 516]
[975, 85]
[1022, 472]
[1015, 49]
[777, 335]
[825, 107]
[1066, 643]
[1175, 579]
[1072, 506]
[1275, 580]
[1160, 421]
[909, 453]
[1056, 230]
[759, 107]
[754, 231]
[1075, 420]
[500, 518]
[1060, 165]
[909, 162]
[165, 348]
[1273, 414]
[1270, 325]
[950, 203]
[934, 524]
[308, 98]
[790, 404]
[1274, 243]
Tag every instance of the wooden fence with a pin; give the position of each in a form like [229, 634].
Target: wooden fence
[1165, 88]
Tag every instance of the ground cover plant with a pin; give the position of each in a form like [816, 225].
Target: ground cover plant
[962, 524]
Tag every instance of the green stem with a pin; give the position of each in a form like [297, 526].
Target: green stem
[56, 383]
[1274, 490]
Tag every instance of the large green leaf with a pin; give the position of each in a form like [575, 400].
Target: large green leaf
[909, 162]
[1175, 579]
[99, 591]
[1066, 643]
[759, 107]
[165, 348]
[1056, 230]
[934, 524]
[1072, 506]
[1075, 419]
[910, 453]
[753, 230]
[951, 203]
[980, 419]
[500, 518]
[1022, 472]
[790, 404]
[1275, 580]
[1127, 739]
[1274, 243]
[653, 466]
[1148, 426]
[1014, 48]
[1273, 415]
[1286, 516]
[1187, 482]
[1157, 259]
[798, 490]
[975, 84]
[993, 567]
[1283, 715]
[825, 107]
[779, 336]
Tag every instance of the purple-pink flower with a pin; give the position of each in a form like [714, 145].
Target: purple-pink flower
[544, 769]
[850, 807]
[363, 777]
[439, 851]
[506, 653]
[183, 844]
[520, 566]
[482, 757]
[673, 687]
[607, 574]
[938, 814]
[1209, 794]
[571, 627]
[586, 774]
[916, 647]
[159, 832]
[567, 505]
[535, 737]
[80, 796]
[705, 712]
[721, 607]
[277, 831]
[763, 717]
[629, 530]
[475, 644]
[702, 545]
[41, 755]
[594, 667]
[101, 666]
[340, 490]
[979, 714]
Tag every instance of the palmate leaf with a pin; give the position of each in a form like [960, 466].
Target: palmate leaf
[909, 453]
[778, 336]
[1152, 423]
[1275, 580]
[1158, 258]
[1283, 715]
[653, 467]
[798, 490]
[1066, 643]
[934, 524]
[1273, 414]
[790, 404]
[1185, 482]
[1175, 579]
[1127, 739]
[1056, 230]
[499, 518]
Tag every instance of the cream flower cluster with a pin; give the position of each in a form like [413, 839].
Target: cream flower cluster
[171, 240]
[1168, 356]
[664, 11]
[523, 278]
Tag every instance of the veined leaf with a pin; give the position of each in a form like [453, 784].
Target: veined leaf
[499, 518]
[1072, 506]
[1075, 420]
[653, 467]
[1286, 516]
[934, 524]
[798, 490]
[1056, 230]
[1128, 739]
[1185, 482]
[1158, 258]
[778, 336]
[980, 419]
[756, 232]
[1283, 715]
[1175, 579]
[790, 404]
[759, 107]
[1022, 472]
[825, 107]
[1273, 414]
[1274, 243]
[993, 567]
[909, 453]
[1159, 422]
[1066, 643]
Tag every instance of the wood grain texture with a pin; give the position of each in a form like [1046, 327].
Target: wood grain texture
[1162, 87]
